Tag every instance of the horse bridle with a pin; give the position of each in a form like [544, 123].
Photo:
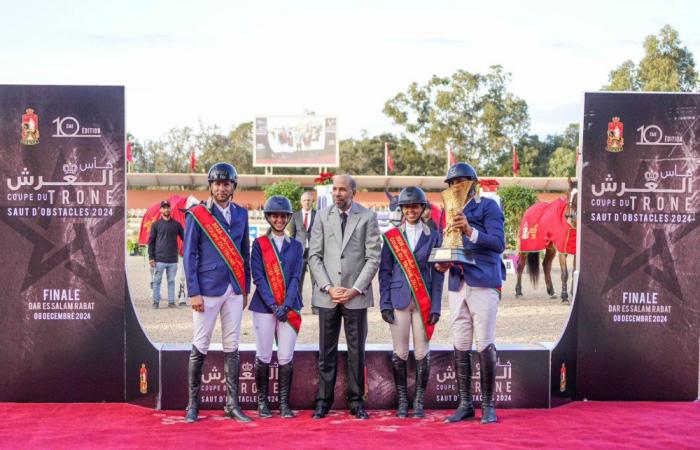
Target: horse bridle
[570, 214]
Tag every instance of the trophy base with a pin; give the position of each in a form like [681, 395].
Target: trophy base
[455, 255]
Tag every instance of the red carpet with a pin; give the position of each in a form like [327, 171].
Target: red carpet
[577, 425]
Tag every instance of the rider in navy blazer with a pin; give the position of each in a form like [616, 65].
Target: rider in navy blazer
[208, 281]
[291, 258]
[268, 316]
[484, 215]
[396, 300]
[394, 290]
[206, 272]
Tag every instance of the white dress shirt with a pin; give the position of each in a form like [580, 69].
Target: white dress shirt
[413, 233]
[226, 212]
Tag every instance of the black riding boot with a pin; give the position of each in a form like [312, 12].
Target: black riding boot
[422, 374]
[262, 378]
[194, 378]
[231, 371]
[465, 409]
[285, 374]
[488, 381]
[400, 379]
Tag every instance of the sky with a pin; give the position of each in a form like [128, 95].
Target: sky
[225, 62]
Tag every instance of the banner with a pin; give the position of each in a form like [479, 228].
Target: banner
[296, 141]
[62, 226]
[522, 379]
[639, 272]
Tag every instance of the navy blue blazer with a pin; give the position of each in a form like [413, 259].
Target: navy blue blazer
[205, 270]
[394, 291]
[291, 259]
[489, 270]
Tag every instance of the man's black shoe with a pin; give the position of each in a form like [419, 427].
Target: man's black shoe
[320, 412]
[359, 413]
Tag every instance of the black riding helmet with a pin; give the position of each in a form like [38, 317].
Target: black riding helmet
[461, 170]
[222, 171]
[412, 195]
[277, 204]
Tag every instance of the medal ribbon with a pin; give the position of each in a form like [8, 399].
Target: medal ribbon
[276, 279]
[398, 245]
[222, 243]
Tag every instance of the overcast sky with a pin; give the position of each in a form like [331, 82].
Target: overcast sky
[223, 63]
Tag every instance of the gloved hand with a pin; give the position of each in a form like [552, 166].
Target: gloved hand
[273, 308]
[281, 313]
[388, 315]
[433, 318]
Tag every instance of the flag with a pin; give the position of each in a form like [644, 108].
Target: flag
[516, 165]
[387, 155]
[193, 161]
[177, 205]
[129, 156]
[451, 156]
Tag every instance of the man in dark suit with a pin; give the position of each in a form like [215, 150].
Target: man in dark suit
[300, 229]
[343, 257]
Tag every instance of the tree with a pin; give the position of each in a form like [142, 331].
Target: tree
[516, 200]
[473, 114]
[287, 188]
[666, 66]
[562, 163]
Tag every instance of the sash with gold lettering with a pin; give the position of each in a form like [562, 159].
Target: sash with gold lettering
[276, 280]
[222, 243]
[398, 245]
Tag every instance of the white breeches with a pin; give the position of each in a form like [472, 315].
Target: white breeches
[407, 321]
[230, 306]
[266, 327]
[473, 312]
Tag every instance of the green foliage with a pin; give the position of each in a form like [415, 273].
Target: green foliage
[290, 189]
[562, 163]
[516, 200]
[474, 114]
[132, 247]
[666, 66]
[366, 156]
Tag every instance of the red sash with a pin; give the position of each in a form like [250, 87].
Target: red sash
[276, 280]
[222, 243]
[398, 245]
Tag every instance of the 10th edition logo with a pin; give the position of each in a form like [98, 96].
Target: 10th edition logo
[69, 127]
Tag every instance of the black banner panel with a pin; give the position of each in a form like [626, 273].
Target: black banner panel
[62, 227]
[639, 284]
[522, 378]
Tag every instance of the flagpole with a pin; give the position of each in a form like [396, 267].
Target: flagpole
[386, 166]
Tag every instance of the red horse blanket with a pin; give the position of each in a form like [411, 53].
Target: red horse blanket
[545, 223]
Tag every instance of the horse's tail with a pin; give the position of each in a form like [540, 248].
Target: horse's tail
[533, 267]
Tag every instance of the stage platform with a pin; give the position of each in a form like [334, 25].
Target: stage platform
[576, 425]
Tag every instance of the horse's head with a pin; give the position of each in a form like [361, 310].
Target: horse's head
[395, 216]
[572, 202]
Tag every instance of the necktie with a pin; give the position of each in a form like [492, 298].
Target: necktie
[227, 215]
[343, 221]
[306, 221]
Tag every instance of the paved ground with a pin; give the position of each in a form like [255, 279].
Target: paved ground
[532, 318]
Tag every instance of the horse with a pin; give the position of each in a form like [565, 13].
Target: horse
[548, 226]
